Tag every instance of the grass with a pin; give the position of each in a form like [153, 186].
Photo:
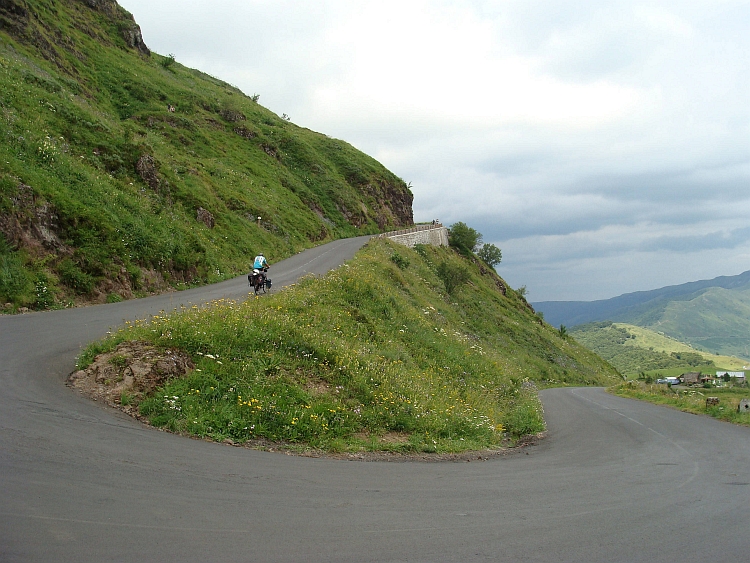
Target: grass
[690, 399]
[88, 145]
[635, 350]
[646, 338]
[376, 355]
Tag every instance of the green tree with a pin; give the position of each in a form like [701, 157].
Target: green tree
[490, 254]
[463, 238]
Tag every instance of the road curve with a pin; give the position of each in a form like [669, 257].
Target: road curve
[616, 480]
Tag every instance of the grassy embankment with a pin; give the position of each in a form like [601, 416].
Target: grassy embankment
[100, 184]
[690, 399]
[377, 355]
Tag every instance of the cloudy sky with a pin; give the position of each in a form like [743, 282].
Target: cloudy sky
[604, 146]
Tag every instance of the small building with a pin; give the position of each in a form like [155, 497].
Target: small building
[691, 378]
[708, 378]
[735, 376]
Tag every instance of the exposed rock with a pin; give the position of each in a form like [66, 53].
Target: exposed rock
[109, 7]
[131, 31]
[232, 115]
[245, 133]
[32, 225]
[134, 38]
[270, 151]
[146, 168]
[133, 369]
[206, 218]
[14, 17]
[485, 272]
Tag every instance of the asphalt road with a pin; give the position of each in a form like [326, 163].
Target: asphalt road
[616, 480]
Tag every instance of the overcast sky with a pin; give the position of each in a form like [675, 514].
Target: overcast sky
[604, 146]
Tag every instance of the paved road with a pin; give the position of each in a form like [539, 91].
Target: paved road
[616, 480]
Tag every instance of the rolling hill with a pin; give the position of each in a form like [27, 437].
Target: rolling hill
[122, 172]
[710, 315]
[633, 350]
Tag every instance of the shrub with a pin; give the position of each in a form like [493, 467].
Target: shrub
[75, 278]
[44, 297]
[452, 275]
[168, 61]
[14, 279]
[400, 261]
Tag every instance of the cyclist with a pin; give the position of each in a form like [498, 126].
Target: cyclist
[258, 277]
[260, 262]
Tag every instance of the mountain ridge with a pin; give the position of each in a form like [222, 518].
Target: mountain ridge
[713, 315]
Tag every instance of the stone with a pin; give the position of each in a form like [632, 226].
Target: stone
[744, 406]
[712, 401]
[146, 168]
[206, 218]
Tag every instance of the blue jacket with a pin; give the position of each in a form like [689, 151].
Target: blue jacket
[260, 262]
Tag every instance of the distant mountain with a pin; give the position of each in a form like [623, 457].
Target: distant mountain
[712, 315]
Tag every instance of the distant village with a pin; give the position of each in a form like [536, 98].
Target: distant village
[720, 378]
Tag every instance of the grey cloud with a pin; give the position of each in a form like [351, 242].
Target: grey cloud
[692, 243]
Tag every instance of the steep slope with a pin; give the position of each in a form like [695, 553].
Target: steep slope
[123, 172]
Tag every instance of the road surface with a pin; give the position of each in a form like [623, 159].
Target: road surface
[615, 480]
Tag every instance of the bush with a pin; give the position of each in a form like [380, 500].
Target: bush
[452, 275]
[14, 279]
[400, 261]
[168, 61]
[45, 299]
[75, 278]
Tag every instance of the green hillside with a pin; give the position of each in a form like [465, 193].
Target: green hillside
[106, 193]
[709, 315]
[717, 320]
[377, 355]
[633, 349]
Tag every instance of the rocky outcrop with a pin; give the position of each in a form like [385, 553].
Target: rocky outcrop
[32, 225]
[146, 168]
[205, 217]
[391, 203]
[131, 31]
[132, 370]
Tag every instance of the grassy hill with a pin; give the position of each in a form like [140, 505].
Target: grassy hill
[106, 193]
[377, 355]
[717, 320]
[710, 315]
[633, 349]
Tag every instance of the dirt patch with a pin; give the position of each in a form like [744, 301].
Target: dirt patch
[130, 372]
